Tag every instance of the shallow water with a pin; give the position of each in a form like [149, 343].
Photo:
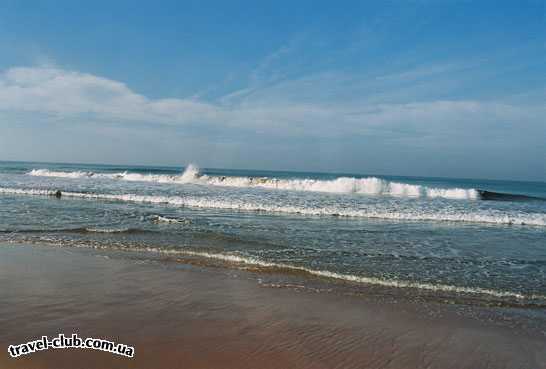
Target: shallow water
[437, 235]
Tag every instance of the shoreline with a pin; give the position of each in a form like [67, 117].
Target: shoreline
[185, 315]
[349, 283]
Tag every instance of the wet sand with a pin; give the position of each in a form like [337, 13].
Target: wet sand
[185, 316]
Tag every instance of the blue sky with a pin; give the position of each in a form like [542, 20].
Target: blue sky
[432, 88]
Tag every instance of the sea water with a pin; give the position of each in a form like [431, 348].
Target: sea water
[464, 237]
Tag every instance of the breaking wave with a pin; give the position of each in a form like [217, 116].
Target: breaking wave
[347, 185]
[438, 214]
[188, 176]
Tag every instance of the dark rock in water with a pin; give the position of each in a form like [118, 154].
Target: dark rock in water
[58, 194]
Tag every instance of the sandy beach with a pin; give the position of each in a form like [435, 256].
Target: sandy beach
[182, 316]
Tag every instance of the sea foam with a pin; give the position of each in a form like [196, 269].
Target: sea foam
[432, 214]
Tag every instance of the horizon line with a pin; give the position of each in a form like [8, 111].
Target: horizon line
[337, 173]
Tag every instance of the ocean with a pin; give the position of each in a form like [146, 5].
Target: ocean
[477, 241]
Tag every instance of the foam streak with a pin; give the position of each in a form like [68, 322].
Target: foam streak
[536, 219]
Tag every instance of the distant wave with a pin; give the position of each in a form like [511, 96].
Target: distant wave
[348, 185]
[438, 214]
[188, 176]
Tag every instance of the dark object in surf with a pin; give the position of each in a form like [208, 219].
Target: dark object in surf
[57, 194]
[499, 196]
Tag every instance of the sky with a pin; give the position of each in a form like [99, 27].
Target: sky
[418, 88]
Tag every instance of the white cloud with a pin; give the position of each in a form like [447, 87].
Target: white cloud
[68, 94]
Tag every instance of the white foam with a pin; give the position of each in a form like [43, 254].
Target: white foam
[107, 230]
[342, 185]
[452, 193]
[365, 186]
[162, 219]
[368, 186]
[49, 173]
[439, 214]
[189, 175]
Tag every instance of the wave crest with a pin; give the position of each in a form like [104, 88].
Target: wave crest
[342, 185]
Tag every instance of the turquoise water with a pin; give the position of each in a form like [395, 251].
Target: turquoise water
[433, 234]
